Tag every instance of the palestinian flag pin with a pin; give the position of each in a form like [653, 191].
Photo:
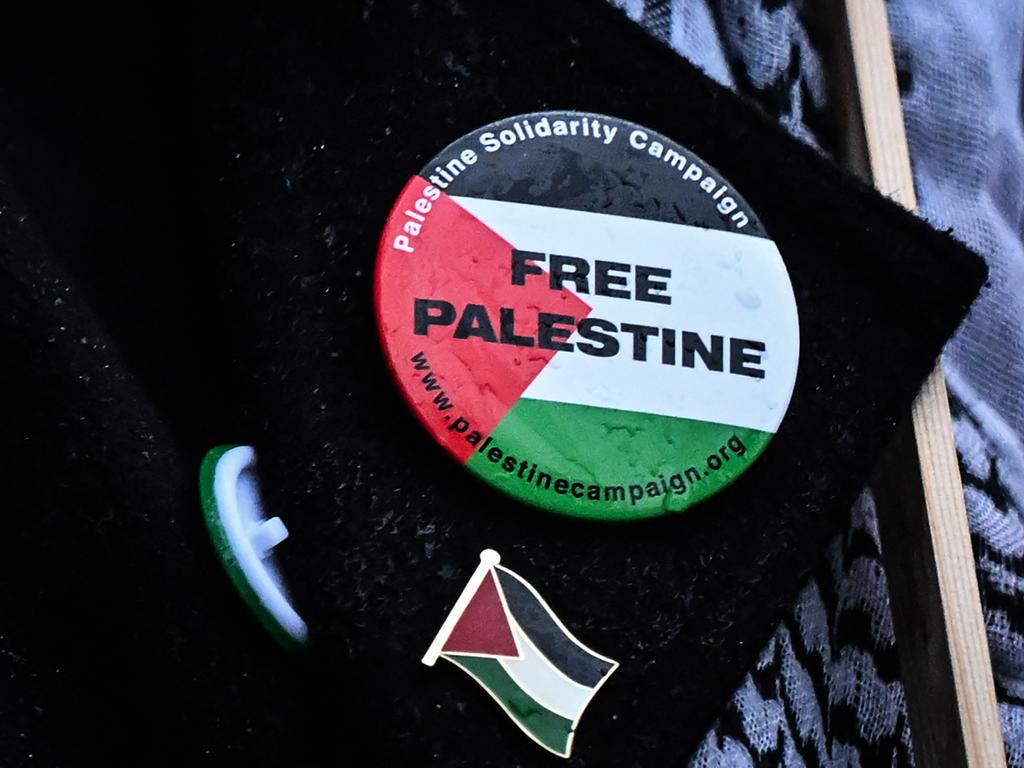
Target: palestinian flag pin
[504, 636]
[587, 316]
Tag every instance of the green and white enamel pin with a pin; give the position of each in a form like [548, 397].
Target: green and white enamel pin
[243, 538]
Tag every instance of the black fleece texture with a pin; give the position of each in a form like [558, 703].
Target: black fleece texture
[190, 201]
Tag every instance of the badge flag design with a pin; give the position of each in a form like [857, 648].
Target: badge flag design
[606, 353]
[504, 636]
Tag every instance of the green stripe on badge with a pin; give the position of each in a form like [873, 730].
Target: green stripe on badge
[611, 464]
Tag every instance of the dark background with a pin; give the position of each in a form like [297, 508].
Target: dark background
[189, 206]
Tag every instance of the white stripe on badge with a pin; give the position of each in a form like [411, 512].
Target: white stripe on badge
[722, 283]
[543, 681]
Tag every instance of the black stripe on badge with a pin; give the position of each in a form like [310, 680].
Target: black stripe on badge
[614, 166]
[575, 662]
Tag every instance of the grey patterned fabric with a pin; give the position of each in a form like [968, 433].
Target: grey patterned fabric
[826, 690]
[998, 537]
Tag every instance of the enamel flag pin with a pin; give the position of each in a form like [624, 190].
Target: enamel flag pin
[504, 636]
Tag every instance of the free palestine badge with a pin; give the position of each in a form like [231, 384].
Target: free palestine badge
[503, 635]
[587, 315]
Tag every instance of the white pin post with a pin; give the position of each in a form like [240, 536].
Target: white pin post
[244, 539]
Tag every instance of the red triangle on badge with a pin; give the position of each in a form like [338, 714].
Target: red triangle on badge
[483, 628]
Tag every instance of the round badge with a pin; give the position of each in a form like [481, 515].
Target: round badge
[587, 315]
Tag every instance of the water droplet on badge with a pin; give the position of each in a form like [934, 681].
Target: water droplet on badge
[748, 298]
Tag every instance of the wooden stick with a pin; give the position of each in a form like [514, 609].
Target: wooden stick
[940, 628]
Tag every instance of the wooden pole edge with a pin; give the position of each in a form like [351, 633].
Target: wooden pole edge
[940, 625]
